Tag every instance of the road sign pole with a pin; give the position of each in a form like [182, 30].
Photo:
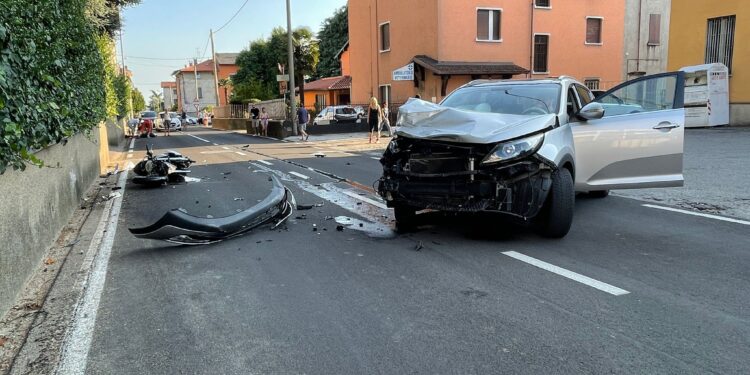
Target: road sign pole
[290, 51]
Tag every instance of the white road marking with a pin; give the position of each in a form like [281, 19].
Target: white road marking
[604, 287]
[709, 216]
[374, 158]
[311, 169]
[132, 144]
[224, 147]
[215, 144]
[300, 175]
[199, 138]
[216, 152]
[365, 199]
[240, 153]
[130, 155]
[264, 162]
[78, 339]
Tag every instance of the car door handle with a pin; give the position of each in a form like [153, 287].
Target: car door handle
[666, 125]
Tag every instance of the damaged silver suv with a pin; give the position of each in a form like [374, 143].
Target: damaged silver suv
[525, 147]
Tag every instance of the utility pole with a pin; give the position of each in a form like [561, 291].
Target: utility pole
[197, 98]
[122, 56]
[290, 50]
[216, 70]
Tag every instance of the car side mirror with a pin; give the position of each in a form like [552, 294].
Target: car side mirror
[591, 111]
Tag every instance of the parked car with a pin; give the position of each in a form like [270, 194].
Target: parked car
[191, 120]
[147, 115]
[524, 148]
[336, 114]
[175, 123]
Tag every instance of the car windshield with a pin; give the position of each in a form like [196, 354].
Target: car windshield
[148, 114]
[515, 99]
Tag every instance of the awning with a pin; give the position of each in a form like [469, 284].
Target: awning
[468, 67]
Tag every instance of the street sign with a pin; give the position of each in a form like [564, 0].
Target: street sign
[404, 73]
[282, 77]
[282, 87]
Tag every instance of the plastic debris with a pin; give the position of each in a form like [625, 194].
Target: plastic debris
[239, 199]
[340, 228]
[304, 207]
[315, 228]
[419, 246]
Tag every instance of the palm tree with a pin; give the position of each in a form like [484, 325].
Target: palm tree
[224, 83]
[155, 100]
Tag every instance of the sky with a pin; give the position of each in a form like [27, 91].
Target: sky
[157, 30]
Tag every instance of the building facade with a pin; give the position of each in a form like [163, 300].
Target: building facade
[169, 93]
[646, 37]
[192, 97]
[452, 42]
[704, 31]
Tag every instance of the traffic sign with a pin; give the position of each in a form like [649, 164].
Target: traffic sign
[282, 77]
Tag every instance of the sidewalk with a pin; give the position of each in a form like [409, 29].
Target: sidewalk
[716, 172]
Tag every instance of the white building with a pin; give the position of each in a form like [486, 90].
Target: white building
[193, 98]
[169, 93]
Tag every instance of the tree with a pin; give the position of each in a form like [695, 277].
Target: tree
[256, 77]
[333, 35]
[139, 103]
[155, 101]
[123, 92]
[224, 83]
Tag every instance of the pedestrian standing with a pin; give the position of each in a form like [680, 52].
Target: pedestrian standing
[183, 120]
[385, 122]
[303, 117]
[374, 115]
[255, 114]
[166, 122]
[264, 121]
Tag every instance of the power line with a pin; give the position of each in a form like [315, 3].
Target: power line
[230, 20]
[158, 58]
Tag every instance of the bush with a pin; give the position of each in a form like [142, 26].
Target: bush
[51, 77]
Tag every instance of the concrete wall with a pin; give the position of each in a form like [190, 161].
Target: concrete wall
[230, 123]
[36, 204]
[637, 14]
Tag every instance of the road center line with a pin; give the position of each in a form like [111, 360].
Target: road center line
[240, 153]
[264, 162]
[709, 216]
[199, 138]
[300, 175]
[365, 199]
[604, 287]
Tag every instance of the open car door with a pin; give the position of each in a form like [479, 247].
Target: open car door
[638, 140]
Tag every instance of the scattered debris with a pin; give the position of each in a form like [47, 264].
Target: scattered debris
[197, 202]
[361, 225]
[319, 154]
[347, 163]
[340, 228]
[419, 246]
[471, 292]
[73, 243]
[239, 199]
[209, 216]
[226, 173]
[302, 207]
[315, 228]
[116, 187]
[245, 146]
[3, 340]
[319, 205]
[49, 261]
[329, 217]
[258, 241]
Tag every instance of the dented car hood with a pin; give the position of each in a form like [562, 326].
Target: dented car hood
[425, 120]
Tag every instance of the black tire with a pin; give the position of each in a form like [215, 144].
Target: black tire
[599, 193]
[405, 217]
[557, 215]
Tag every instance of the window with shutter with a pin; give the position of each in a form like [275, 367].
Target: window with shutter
[654, 29]
[593, 30]
[385, 37]
[541, 46]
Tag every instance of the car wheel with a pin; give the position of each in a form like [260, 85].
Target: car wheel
[599, 193]
[557, 215]
[405, 216]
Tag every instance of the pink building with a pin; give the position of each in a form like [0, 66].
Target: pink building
[452, 42]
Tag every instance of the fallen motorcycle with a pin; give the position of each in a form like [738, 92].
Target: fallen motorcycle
[177, 226]
[158, 170]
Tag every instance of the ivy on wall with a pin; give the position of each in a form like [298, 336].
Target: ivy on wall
[57, 75]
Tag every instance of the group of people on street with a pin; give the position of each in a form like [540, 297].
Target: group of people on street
[259, 119]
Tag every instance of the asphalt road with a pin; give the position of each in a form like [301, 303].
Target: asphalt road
[364, 300]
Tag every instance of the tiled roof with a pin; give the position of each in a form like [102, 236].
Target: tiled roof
[330, 83]
[468, 67]
[165, 84]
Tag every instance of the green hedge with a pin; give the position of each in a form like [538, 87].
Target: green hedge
[51, 77]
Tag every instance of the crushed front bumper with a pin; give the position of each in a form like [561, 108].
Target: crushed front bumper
[449, 177]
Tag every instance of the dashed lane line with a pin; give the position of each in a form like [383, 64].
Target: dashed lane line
[604, 287]
[264, 162]
[240, 153]
[199, 138]
[300, 175]
[708, 216]
[365, 199]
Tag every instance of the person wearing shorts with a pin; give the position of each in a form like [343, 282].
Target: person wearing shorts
[303, 116]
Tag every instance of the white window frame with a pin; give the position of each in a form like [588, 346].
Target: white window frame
[588, 79]
[533, 43]
[380, 36]
[490, 29]
[389, 92]
[601, 31]
[541, 7]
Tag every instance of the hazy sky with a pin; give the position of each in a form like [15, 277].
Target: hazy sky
[176, 29]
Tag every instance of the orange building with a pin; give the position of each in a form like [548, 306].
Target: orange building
[331, 90]
[446, 43]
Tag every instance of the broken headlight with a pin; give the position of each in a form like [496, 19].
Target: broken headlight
[514, 149]
[393, 146]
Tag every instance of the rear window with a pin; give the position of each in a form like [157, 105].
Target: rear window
[148, 114]
[345, 111]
